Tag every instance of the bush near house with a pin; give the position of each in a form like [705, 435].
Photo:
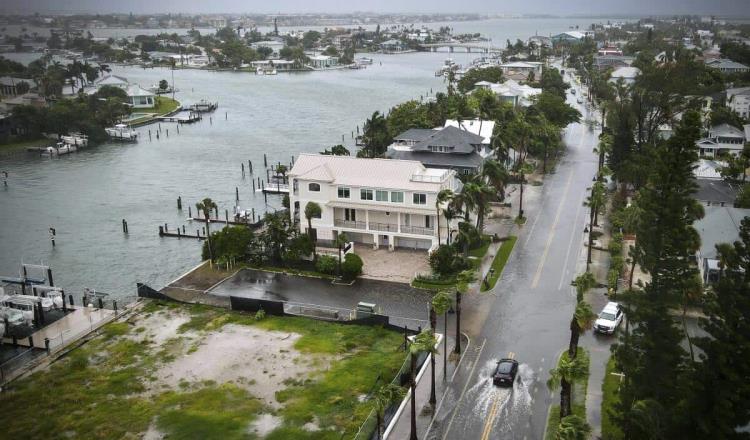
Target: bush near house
[351, 268]
[326, 264]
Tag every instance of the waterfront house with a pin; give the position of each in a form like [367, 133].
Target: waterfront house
[727, 66]
[603, 62]
[722, 139]
[8, 85]
[523, 67]
[449, 147]
[391, 46]
[323, 62]
[627, 74]
[568, 37]
[112, 80]
[279, 65]
[274, 45]
[140, 98]
[720, 224]
[377, 202]
[738, 99]
[511, 91]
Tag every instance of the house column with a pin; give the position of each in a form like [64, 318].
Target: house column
[398, 219]
[367, 219]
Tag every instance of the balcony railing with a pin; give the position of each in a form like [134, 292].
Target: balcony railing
[384, 227]
[417, 230]
[352, 224]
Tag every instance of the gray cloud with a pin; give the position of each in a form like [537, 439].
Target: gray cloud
[739, 8]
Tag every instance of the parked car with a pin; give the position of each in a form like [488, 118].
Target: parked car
[505, 372]
[573, 91]
[609, 318]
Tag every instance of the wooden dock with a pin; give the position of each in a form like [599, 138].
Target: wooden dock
[189, 119]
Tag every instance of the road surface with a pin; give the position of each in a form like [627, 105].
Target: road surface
[528, 312]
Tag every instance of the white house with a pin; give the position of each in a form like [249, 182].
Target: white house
[628, 74]
[720, 224]
[511, 91]
[323, 62]
[112, 80]
[727, 65]
[379, 202]
[738, 99]
[140, 98]
[722, 139]
[524, 67]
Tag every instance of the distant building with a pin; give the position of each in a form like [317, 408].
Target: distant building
[716, 192]
[727, 65]
[377, 202]
[511, 91]
[275, 46]
[140, 98]
[722, 139]
[627, 74]
[720, 224]
[603, 62]
[8, 85]
[523, 67]
[608, 50]
[738, 99]
[391, 46]
[323, 62]
[568, 37]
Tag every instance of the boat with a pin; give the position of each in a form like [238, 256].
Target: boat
[364, 61]
[15, 317]
[76, 139]
[59, 149]
[203, 106]
[18, 300]
[265, 71]
[122, 132]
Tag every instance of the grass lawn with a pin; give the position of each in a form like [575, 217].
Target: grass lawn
[611, 398]
[163, 105]
[499, 262]
[104, 389]
[24, 144]
[434, 284]
[578, 404]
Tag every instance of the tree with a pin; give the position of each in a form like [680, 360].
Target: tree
[229, 243]
[163, 84]
[721, 399]
[375, 136]
[603, 149]
[463, 280]
[567, 372]
[443, 197]
[573, 428]
[427, 340]
[582, 320]
[206, 206]
[595, 202]
[22, 87]
[336, 150]
[555, 109]
[384, 398]
[441, 303]
[553, 82]
[351, 268]
[743, 198]
[312, 210]
[519, 133]
[473, 76]
[496, 175]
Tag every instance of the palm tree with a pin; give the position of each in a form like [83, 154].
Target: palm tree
[206, 206]
[450, 212]
[496, 175]
[463, 280]
[416, 347]
[383, 398]
[573, 428]
[567, 371]
[443, 197]
[595, 202]
[604, 148]
[441, 303]
[583, 283]
[340, 242]
[429, 345]
[520, 131]
[630, 222]
[466, 232]
[312, 210]
[583, 318]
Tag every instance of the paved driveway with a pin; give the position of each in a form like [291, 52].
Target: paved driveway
[400, 266]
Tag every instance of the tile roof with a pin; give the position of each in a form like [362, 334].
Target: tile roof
[459, 141]
[439, 160]
[376, 173]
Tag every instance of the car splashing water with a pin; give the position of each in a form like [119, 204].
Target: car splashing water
[511, 404]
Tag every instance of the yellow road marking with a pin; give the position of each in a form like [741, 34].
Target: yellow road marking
[490, 417]
[551, 233]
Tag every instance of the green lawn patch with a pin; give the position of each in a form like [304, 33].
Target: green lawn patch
[481, 251]
[434, 284]
[578, 404]
[498, 263]
[520, 221]
[98, 389]
[611, 397]
[20, 145]
[163, 105]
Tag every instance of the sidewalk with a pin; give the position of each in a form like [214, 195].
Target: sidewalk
[402, 425]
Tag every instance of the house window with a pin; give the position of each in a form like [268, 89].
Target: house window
[420, 199]
[381, 196]
[350, 214]
[365, 194]
[397, 197]
[314, 187]
[343, 192]
[427, 221]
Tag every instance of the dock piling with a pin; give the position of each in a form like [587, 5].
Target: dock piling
[226, 116]
[204, 230]
[216, 212]
[46, 345]
[124, 226]
[179, 203]
[167, 132]
[250, 167]
[190, 211]
[70, 299]
[161, 231]
[265, 160]
[237, 193]
[243, 170]
[226, 216]
[253, 186]
[183, 229]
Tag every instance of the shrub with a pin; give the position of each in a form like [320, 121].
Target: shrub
[612, 277]
[326, 264]
[260, 314]
[351, 268]
[617, 264]
[446, 261]
[615, 248]
[231, 242]
[299, 246]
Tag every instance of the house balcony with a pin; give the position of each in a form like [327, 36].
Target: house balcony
[417, 230]
[351, 224]
[383, 227]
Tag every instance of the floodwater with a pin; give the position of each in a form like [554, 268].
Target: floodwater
[86, 195]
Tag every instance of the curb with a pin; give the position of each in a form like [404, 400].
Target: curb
[453, 377]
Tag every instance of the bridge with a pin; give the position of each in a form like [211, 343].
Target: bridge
[468, 46]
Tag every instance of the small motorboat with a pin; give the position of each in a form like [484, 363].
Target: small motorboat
[122, 132]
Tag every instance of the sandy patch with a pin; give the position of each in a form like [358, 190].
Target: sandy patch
[264, 425]
[159, 327]
[256, 359]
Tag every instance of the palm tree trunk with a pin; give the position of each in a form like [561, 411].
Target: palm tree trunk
[437, 220]
[458, 323]
[413, 434]
[208, 237]
[565, 396]
[445, 345]
[433, 324]
[575, 334]
[378, 424]
[520, 199]
[314, 240]
[632, 271]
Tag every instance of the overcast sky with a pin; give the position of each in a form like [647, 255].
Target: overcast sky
[559, 7]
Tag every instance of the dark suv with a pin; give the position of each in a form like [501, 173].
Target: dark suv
[505, 372]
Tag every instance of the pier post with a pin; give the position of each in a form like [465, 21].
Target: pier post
[52, 234]
[204, 230]
[342, 139]
[49, 277]
[190, 211]
[250, 167]
[35, 320]
[226, 116]
[352, 135]
[178, 128]
[166, 228]
[161, 231]
[124, 226]
[179, 203]
[226, 216]
[167, 132]
[267, 174]
[31, 341]
[149, 135]
[46, 345]
[259, 182]
[237, 193]
[65, 303]
[243, 170]
[265, 160]
[211, 120]
[84, 300]
[70, 299]
[157, 135]
[198, 233]
[216, 212]
[253, 215]
[15, 341]
[178, 232]
[265, 197]
[101, 303]
[114, 305]
[183, 229]
[253, 186]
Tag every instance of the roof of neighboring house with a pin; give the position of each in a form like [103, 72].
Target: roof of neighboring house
[438, 160]
[724, 63]
[415, 134]
[570, 34]
[747, 131]
[459, 141]
[716, 191]
[521, 65]
[136, 90]
[475, 126]
[737, 91]
[721, 224]
[12, 81]
[726, 130]
[391, 43]
[626, 72]
[111, 80]
[377, 173]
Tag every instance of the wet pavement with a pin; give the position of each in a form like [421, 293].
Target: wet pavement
[404, 304]
[526, 315]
